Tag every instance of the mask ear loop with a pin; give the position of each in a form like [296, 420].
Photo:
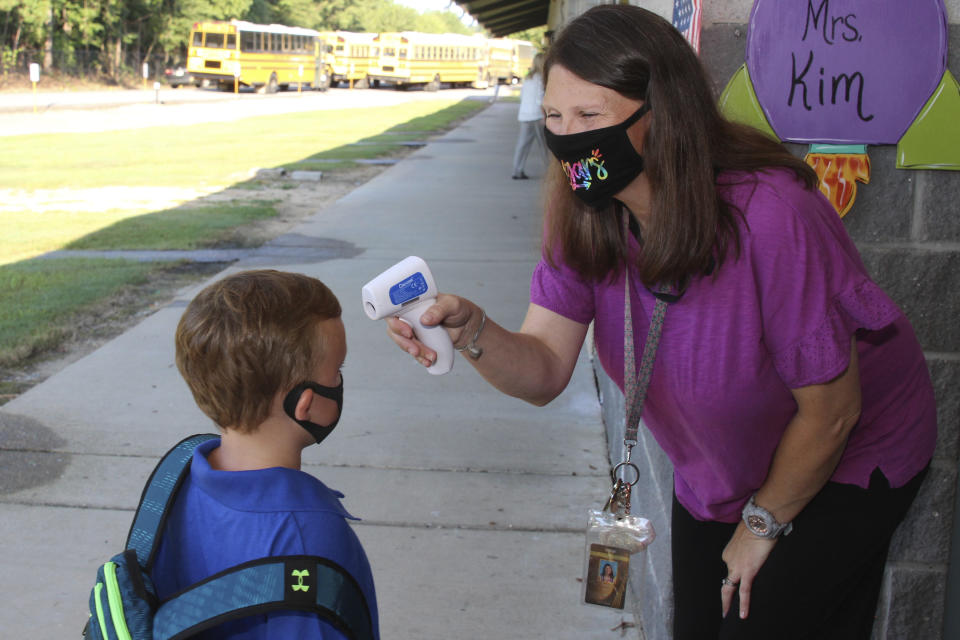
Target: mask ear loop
[319, 432]
[639, 113]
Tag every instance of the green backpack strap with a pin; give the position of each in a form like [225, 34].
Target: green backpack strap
[158, 495]
[278, 583]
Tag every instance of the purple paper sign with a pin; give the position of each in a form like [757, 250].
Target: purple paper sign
[845, 71]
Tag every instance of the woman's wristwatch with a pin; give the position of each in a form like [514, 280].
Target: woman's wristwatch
[761, 522]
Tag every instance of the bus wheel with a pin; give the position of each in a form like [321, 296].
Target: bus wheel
[435, 84]
[326, 81]
[272, 84]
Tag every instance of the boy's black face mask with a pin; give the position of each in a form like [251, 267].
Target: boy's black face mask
[599, 163]
[319, 432]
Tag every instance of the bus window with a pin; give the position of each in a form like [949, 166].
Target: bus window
[389, 52]
[403, 54]
[248, 41]
[215, 40]
[198, 38]
[231, 41]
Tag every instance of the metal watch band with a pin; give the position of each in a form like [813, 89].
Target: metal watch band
[761, 522]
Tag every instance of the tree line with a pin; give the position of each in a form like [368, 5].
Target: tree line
[113, 37]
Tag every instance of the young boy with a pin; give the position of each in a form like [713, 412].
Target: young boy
[262, 352]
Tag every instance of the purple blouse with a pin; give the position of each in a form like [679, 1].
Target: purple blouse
[779, 317]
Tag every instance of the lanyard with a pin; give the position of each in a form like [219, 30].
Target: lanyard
[635, 384]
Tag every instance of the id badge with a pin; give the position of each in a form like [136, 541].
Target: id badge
[608, 573]
[611, 540]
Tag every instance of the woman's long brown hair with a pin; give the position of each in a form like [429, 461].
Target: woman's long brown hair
[689, 143]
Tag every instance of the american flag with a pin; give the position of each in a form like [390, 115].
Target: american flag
[686, 18]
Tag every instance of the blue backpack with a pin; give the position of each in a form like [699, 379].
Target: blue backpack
[124, 603]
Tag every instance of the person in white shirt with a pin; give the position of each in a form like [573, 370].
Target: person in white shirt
[530, 117]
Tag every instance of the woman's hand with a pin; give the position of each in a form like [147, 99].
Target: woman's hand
[457, 315]
[744, 555]
[806, 457]
[533, 364]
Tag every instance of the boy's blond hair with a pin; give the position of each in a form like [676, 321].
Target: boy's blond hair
[249, 336]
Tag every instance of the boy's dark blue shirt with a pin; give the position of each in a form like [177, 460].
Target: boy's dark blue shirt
[224, 518]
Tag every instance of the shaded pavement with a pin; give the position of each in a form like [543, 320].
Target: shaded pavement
[473, 504]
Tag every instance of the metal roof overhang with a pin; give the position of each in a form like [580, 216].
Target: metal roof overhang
[503, 17]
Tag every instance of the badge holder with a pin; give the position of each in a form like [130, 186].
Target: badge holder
[616, 539]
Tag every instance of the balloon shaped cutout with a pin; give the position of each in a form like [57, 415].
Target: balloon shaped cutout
[933, 141]
[850, 73]
[739, 103]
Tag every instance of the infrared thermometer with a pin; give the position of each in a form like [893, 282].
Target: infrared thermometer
[405, 291]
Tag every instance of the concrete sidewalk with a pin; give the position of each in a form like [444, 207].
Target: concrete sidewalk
[473, 503]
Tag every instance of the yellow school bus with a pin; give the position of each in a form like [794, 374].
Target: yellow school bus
[523, 54]
[266, 57]
[500, 60]
[352, 53]
[410, 58]
[508, 60]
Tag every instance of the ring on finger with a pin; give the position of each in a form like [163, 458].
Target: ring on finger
[727, 582]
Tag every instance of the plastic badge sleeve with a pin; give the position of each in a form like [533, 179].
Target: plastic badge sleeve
[613, 543]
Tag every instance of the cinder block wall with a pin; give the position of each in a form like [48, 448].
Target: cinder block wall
[907, 227]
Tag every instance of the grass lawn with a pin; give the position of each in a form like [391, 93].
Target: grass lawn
[216, 153]
[181, 228]
[40, 298]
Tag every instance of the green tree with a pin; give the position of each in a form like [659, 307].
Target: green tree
[330, 12]
[441, 22]
[298, 13]
[24, 24]
[534, 36]
[119, 33]
[376, 16]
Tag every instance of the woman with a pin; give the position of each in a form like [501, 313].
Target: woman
[788, 390]
[607, 575]
[530, 117]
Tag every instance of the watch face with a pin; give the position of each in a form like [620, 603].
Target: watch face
[757, 523]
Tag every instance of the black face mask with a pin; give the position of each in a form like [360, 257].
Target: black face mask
[319, 432]
[600, 163]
